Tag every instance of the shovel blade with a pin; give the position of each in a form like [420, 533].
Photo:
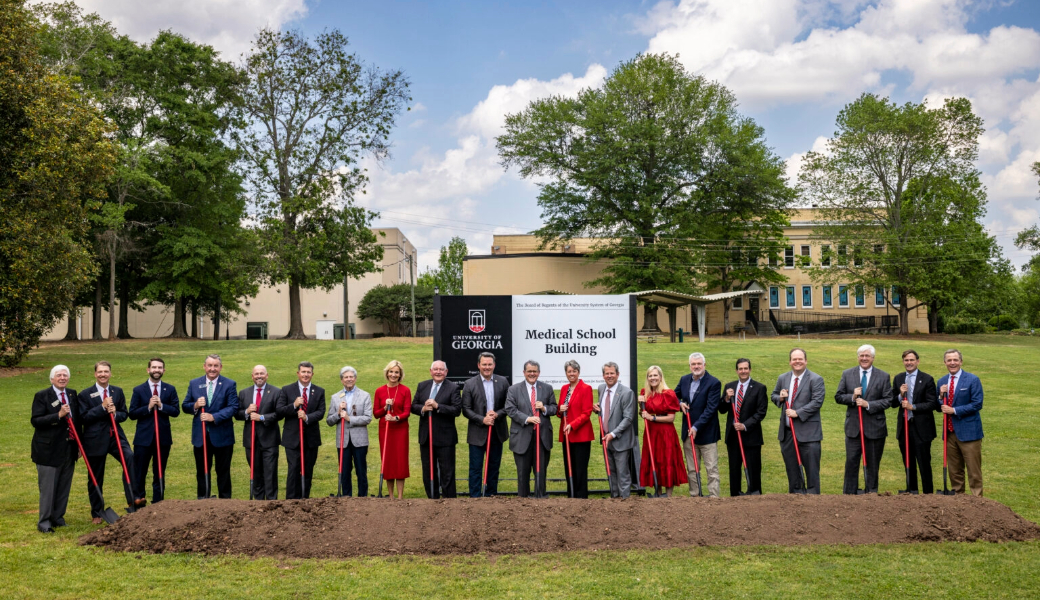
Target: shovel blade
[109, 516]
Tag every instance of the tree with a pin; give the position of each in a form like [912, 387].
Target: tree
[390, 305]
[447, 277]
[315, 111]
[54, 160]
[899, 195]
[638, 164]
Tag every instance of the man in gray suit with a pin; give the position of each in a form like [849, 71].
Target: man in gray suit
[484, 407]
[617, 408]
[806, 392]
[353, 406]
[529, 405]
[867, 391]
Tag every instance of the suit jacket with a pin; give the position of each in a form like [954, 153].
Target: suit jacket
[221, 432]
[752, 412]
[878, 396]
[94, 419]
[704, 406]
[51, 445]
[967, 401]
[579, 413]
[267, 435]
[622, 420]
[449, 406]
[807, 403]
[924, 402]
[142, 394]
[315, 414]
[518, 407]
[474, 407]
[360, 411]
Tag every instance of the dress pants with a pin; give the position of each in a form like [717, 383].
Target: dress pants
[292, 477]
[810, 452]
[854, 464]
[143, 455]
[222, 458]
[920, 458]
[579, 465]
[753, 454]
[620, 472]
[355, 458]
[960, 456]
[97, 464]
[443, 472]
[476, 468]
[55, 484]
[265, 474]
[524, 466]
[708, 457]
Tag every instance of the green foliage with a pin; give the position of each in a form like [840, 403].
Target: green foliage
[54, 160]
[964, 326]
[390, 305]
[1004, 322]
[448, 274]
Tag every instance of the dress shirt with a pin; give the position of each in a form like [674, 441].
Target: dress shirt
[911, 381]
[259, 390]
[489, 392]
[305, 392]
[348, 399]
[868, 372]
[532, 388]
[613, 397]
[695, 384]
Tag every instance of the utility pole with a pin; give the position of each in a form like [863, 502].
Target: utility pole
[411, 273]
[346, 310]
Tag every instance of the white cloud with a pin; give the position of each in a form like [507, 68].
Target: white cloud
[795, 161]
[227, 25]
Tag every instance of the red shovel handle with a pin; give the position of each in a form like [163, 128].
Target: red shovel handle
[122, 459]
[205, 450]
[79, 445]
[301, 448]
[341, 430]
[689, 432]
[252, 450]
[862, 442]
[906, 433]
[158, 452]
[794, 438]
[606, 461]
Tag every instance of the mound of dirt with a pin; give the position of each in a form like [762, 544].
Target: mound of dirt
[343, 527]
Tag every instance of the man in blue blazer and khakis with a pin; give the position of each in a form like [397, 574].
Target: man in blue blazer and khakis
[699, 394]
[151, 402]
[960, 400]
[213, 399]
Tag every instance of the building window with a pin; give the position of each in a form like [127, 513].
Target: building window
[773, 260]
[774, 297]
[806, 256]
[806, 296]
[790, 296]
[843, 256]
[857, 257]
[861, 299]
[895, 296]
[738, 302]
[828, 302]
[789, 257]
[879, 296]
[843, 296]
[825, 256]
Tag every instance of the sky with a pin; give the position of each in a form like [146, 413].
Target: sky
[792, 64]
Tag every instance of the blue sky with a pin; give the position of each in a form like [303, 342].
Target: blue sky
[792, 64]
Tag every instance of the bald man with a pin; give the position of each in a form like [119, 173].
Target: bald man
[440, 400]
[257, 406]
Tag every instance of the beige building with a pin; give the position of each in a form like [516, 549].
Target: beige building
[269, 310]
[516, 265]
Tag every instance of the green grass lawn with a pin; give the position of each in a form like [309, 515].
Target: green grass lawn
[37, 566]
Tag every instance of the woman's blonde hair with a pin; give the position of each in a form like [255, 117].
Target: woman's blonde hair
[646, 382]
[391, 365]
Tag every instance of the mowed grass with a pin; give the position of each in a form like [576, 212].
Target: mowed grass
[55, 566]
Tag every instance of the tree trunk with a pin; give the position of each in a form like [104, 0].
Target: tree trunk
[72, 334]
[178, 319]
[194, 318]
[112, 290]
[933, 320]
[904, 312]
[295, 312]
[650, 320]
[124, 310]
[725, 316]
[216, 322]
[96, 316]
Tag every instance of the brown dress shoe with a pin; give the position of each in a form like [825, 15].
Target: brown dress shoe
[140, 502]
[97, 520]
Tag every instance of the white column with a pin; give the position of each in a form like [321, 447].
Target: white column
[700, 321]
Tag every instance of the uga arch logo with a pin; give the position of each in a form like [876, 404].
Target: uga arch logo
[477, 320]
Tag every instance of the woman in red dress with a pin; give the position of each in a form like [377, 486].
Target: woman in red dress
[576, 429]
[392, 404]
[659, 405]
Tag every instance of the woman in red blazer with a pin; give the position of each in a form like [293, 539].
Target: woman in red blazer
[574, 411]
[391, 405]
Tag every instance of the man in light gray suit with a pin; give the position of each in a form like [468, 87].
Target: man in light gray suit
[484, 406]
[616, 406]
[353, 406]
[866, 390]
[806, 392]
[529, 405]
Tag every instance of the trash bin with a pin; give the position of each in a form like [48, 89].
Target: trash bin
[337, 331]
[681, 332]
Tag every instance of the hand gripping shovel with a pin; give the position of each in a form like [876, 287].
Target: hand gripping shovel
[693, 447]
[743, 461]
[205, 458]
[946, 491]
[798, 455]
[128, 488]
[108, 514]
[863, 452]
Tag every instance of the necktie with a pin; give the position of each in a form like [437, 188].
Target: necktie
[258, 398]
[740, 401]
[534, 399]
[606, 409]
[433, 392]
[155, 389]
[790, 400]
[949, 400]
[209, 393]
[105, 396]
[910, 381]
[68, 421]
[863, 384]
[305, 399]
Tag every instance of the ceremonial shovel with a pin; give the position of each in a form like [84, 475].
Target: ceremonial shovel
[946, 491]
[606, 462]
[205, 457]
[798, 455]
[906, 441]
[128, 489]
[863, 451]
[252, 457]
[487, 456]
[693, 447]
[158, 453]
[339, 488]
[108, 514]
[743, 461]
[653, 464]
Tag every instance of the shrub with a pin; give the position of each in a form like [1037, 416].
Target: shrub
[1004, 322]
[961, 326]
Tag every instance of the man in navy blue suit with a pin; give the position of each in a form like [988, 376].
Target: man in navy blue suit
[98, 404]
[699, 394]
[152, 401]
[213, 399]
[960, 400]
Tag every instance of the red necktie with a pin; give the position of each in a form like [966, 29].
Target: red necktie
[606, 411]
[790, 400]
[155, 389]
[949, 400]
[305, 399]
[258, 398]
[740, 400]
[534, 413]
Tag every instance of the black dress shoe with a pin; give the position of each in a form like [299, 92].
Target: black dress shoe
[60, 523]
[901, 492]
[45, 529]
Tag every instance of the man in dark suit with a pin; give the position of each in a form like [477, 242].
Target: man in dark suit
[53, 448]
[530, 403]
[95, 405]
[152, 404]
[699, 394]
[806, 391]
[484, 407]
[864, 390]
[213, 399]
[744, 403]
[913, 391]
[257, 406]
[960, 394]
[301, 400]
[437, 402]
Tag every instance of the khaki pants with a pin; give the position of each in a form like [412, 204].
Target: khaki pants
[961, 455]
[708, 455]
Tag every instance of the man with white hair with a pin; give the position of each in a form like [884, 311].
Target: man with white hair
[257, 406]
[353, 407]
[54, 447]
[866, 391]
[699, 394]
[438, 402]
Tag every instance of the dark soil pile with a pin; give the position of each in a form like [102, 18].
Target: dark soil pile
[343, 527]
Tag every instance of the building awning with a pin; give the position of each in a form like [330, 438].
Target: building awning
[669, 298]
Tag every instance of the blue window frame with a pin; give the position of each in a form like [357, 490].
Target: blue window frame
[790, 297]
[806, 296]
[895, 296]
[879, 296]
[774, 297]
[843, 296]
[861, 299]
[828, 301]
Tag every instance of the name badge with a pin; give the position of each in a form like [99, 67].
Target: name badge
[95, 394]
[202, 386]
[56, 402]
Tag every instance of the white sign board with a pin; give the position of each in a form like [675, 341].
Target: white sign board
[591, 330]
